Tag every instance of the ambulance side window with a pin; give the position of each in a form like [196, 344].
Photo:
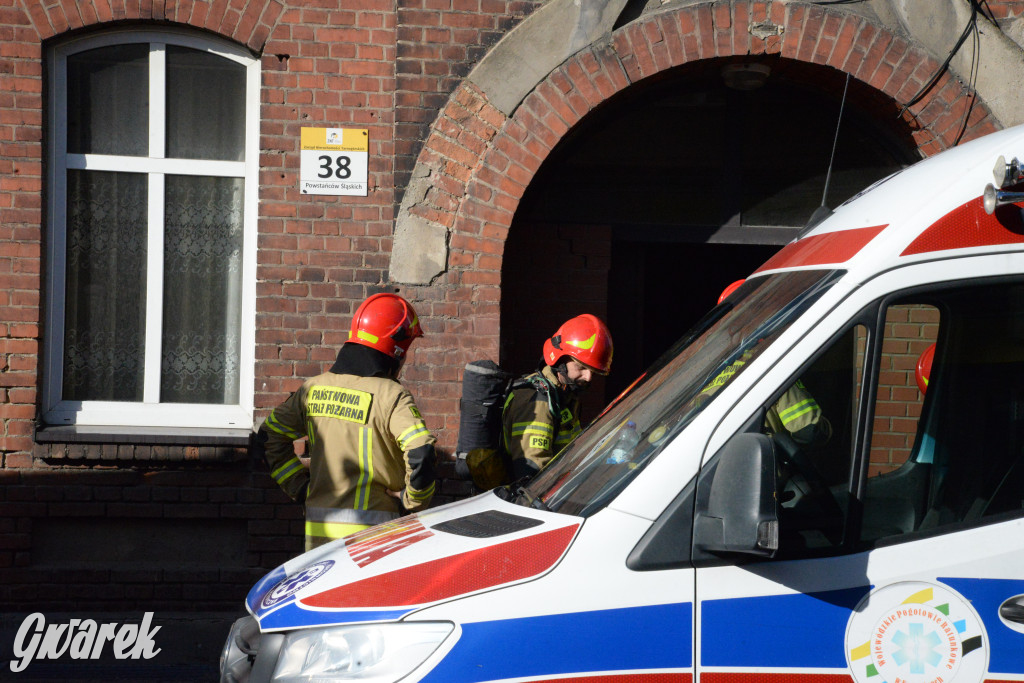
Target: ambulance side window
[812, 425]
[949, 452]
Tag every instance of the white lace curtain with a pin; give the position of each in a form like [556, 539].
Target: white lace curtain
[202, 290]
[105, 315]
[105, 288]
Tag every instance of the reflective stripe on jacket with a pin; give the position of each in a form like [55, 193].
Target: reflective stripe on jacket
[327, 524]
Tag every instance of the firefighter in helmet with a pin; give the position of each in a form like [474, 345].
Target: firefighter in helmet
[542, 412]
[796, 414]
[366, 438]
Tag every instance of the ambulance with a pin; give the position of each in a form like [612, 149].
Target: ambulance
[881, 540]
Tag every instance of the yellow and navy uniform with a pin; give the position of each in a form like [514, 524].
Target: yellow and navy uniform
[538, 420]
[796, 413]
[365, 437]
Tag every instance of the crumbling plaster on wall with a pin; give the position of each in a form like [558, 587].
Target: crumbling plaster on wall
[936, 25]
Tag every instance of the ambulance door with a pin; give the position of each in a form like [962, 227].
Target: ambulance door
[901, 521]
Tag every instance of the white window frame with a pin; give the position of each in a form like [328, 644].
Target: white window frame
[149, 412]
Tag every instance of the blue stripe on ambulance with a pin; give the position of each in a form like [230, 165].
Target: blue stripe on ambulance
[809, 630]
[652, 637]
[1006, 647]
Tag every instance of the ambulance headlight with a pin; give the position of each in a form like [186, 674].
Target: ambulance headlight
[240, 650]
[370, 652]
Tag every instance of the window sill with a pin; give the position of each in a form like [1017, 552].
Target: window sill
[181, 436]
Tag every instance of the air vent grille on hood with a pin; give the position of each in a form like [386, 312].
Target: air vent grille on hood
[487, 524]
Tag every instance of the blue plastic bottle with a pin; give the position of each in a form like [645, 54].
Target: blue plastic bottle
[625, 441]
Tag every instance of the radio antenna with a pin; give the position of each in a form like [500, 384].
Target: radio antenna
[823, 212]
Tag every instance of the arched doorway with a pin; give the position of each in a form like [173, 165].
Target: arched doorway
[678, 186]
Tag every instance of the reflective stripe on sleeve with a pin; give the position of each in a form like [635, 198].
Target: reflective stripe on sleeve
[425, 494]
[567, 435]
[798, 410]
[286, 471]
[417, 430]
[537, 428]
[272, 423]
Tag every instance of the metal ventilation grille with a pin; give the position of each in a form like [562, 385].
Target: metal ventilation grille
[487, 524]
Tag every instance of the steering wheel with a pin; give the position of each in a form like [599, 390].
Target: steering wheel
[817, 505]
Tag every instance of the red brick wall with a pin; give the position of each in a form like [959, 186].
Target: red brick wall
[909, 330]
[438, 45]
[328, 64]
[20, 233]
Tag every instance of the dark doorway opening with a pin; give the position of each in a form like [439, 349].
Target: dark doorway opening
[676, 187]
[657, 291]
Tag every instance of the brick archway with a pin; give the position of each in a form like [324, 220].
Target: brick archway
[477, 163]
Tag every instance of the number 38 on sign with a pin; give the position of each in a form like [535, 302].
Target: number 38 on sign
[334, 161]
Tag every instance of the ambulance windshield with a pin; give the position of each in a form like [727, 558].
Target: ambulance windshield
[631, 432]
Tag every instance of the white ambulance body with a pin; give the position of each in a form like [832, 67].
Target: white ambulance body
[888, 548]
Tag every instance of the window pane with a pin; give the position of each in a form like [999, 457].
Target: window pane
[205, 106]
[104, 328]
[896, 485]
[909, 331]
[108, 101]
[202, 290]
[967, 458]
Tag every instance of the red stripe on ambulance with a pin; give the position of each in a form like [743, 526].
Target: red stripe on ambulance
[969, 226]
[788, 677]
[832, 247]
[447, 577]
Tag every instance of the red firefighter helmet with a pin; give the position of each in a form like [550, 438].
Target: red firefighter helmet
[385, 322]
[923, 369]
[584, 338]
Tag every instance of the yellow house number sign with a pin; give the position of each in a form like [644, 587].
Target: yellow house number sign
[334, 161]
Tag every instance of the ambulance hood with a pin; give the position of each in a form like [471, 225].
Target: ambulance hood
[389, 571]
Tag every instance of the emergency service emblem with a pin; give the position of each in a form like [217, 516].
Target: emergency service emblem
[294, 583]
[339, 403]
[916, 632]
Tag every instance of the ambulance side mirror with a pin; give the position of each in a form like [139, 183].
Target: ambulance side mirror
[736, 509]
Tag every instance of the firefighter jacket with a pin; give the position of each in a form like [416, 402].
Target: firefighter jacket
[538, 420]
[796, 413]
[365, 437]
